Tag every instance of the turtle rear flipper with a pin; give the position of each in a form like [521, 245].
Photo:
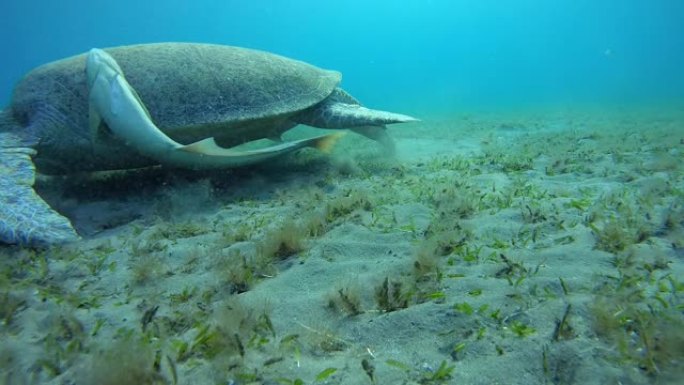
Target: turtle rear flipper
[341, 110]
[25, 218]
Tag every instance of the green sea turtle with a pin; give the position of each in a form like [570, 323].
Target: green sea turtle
[176, 104]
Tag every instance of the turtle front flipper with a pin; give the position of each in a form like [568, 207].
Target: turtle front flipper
[115, 101]
[25, 218]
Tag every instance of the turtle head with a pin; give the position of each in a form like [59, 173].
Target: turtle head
[99, 63]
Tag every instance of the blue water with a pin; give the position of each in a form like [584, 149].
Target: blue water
[414, 56]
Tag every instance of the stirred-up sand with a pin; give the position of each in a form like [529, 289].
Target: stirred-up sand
[493, 249]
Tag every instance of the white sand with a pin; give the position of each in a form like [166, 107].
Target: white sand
[527, 187]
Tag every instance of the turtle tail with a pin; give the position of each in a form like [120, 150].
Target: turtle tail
[341, 110]
[344, 115]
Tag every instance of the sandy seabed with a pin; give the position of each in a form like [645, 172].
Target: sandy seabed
[529, 248]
